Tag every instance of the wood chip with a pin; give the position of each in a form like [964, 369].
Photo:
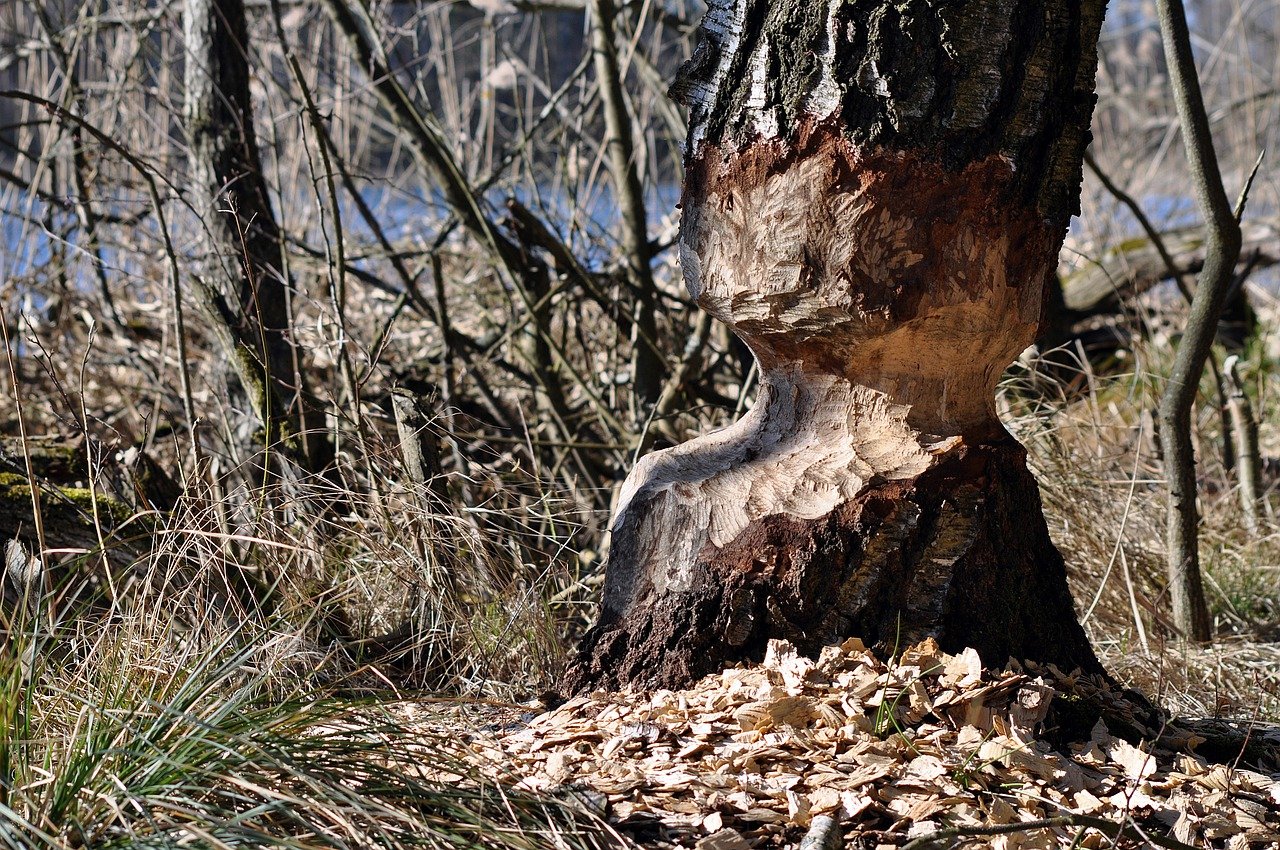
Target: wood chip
[755, 756]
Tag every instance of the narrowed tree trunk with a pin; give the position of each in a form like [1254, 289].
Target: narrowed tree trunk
[240, 281]
[876, 192]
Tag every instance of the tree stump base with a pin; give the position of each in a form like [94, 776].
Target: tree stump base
[960, 552]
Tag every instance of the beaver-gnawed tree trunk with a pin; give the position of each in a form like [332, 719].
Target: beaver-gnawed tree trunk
[875, 192]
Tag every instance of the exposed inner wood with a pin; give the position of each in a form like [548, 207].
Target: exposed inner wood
[875, 194]
[878, 269]
[883, 297]
[960, 553]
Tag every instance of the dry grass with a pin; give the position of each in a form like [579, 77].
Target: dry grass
[170, 684]
[153, 729]
[1102, 485]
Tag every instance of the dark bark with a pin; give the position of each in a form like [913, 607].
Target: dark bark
[876, 193]
[960, 81]
[960, 551]
[240, 280]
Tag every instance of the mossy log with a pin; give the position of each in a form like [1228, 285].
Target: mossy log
[67, 513]
[75, 516]
[1133, 266]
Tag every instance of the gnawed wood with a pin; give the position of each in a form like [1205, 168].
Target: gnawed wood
[875, 195]
[956, 552]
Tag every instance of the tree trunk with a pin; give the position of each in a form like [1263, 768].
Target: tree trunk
[629, 191]
[240, 281]
[1222, 250]
[875, 194]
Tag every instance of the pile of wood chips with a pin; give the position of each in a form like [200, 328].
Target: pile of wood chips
[929, 750]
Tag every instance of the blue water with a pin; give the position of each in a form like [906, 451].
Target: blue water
[25, 244]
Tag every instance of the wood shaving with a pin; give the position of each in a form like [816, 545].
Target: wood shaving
[892, 752]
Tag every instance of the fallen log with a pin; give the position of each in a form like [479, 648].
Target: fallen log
[1133, 266]
[75, 516]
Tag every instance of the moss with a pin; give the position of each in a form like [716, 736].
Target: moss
[56, 460]
[61, 504]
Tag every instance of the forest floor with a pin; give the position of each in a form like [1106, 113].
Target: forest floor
[928, 750]
[134, 711]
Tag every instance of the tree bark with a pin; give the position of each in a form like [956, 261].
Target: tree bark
[1222, 249]
[1244, 431]
[240, 279]
[875, 194]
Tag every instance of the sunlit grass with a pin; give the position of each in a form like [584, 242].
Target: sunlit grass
[1091, 444]
[143, 728]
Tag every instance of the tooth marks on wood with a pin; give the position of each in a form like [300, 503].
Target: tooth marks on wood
[948, 554]
[878, 267]
[875, 193]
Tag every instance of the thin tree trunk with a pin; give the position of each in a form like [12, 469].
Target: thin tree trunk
[1245, 432]
[1190, 614]
[241, 285]
[875, 194]
[630, 196]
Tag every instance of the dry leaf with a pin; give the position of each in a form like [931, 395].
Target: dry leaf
[752, 754]
[724, 839]
[1137, 764]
